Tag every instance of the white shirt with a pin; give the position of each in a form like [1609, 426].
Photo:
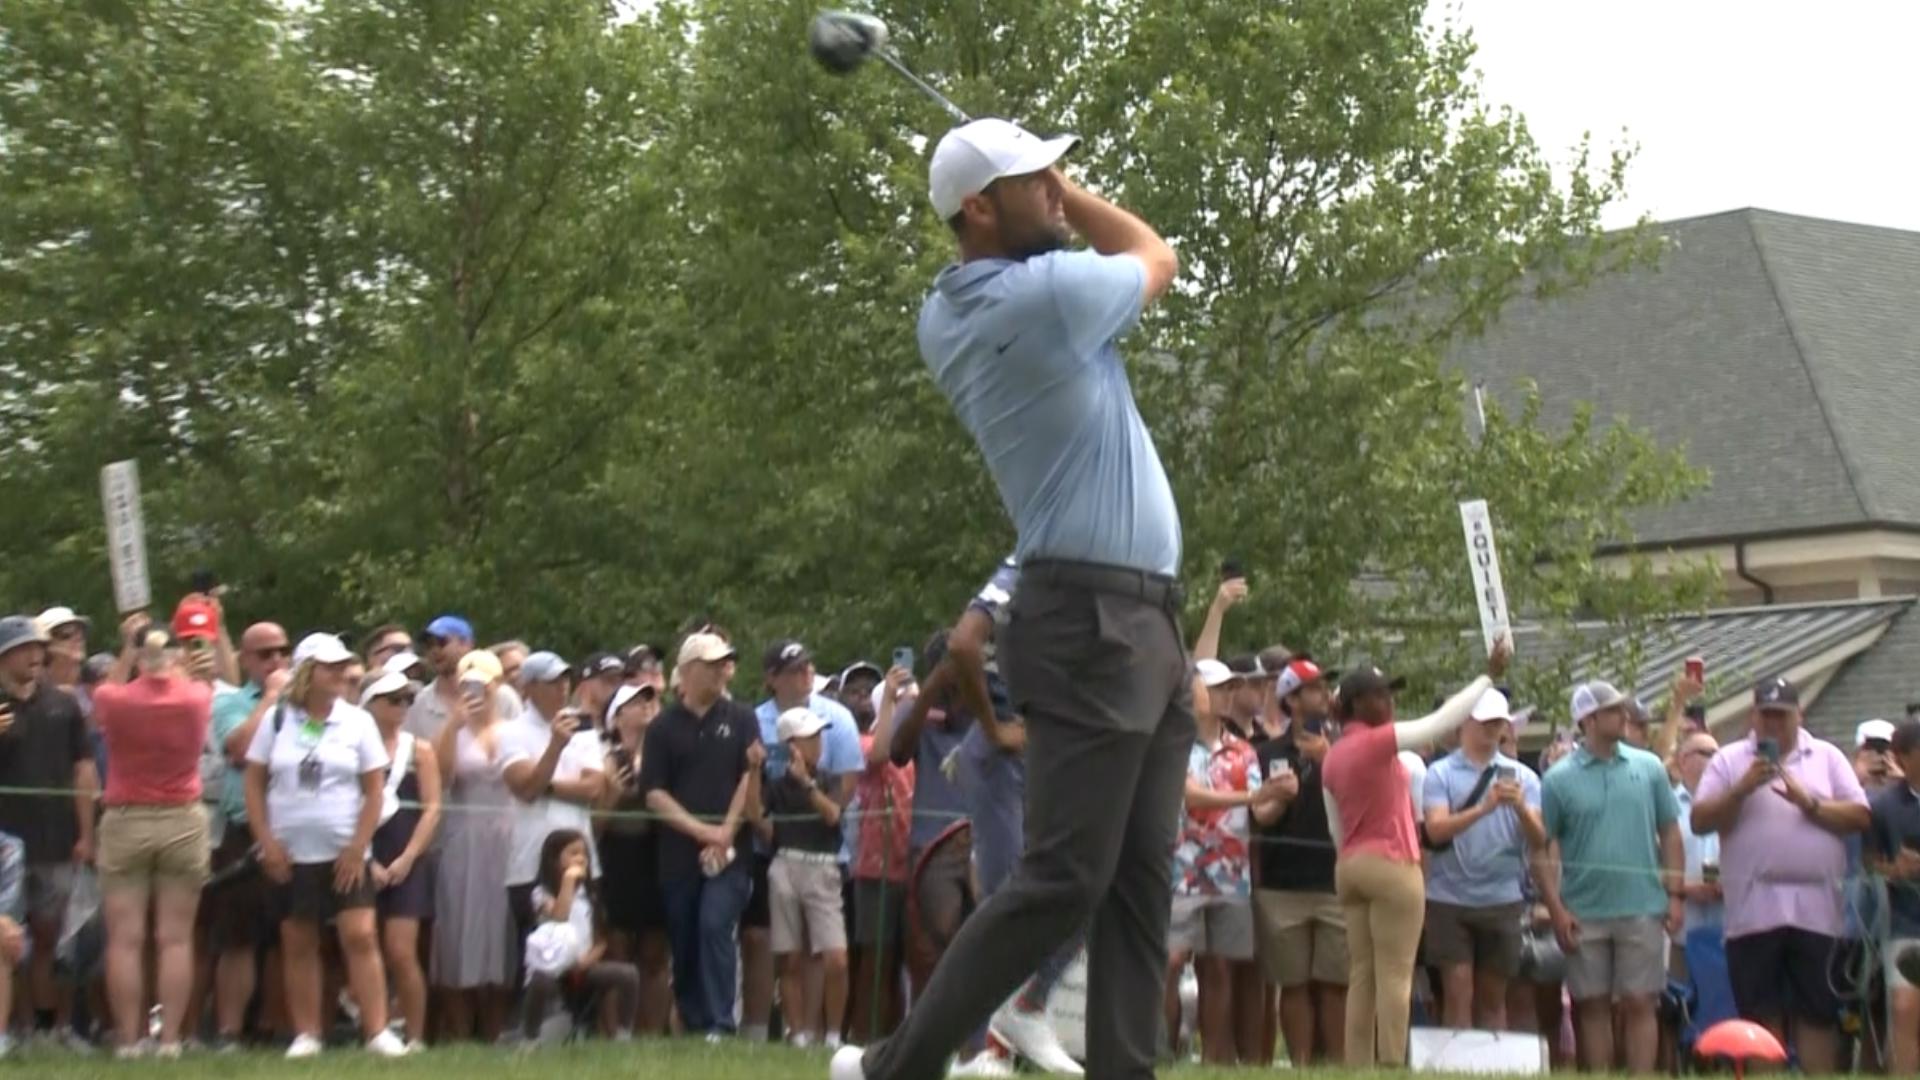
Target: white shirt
[1416, 769]
[525, 739]
[579, 915]
[315, 816]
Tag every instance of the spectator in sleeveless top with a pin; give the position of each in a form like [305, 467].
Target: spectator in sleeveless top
[402, 861]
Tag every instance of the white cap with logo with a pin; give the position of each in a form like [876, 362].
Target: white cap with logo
[977, 153]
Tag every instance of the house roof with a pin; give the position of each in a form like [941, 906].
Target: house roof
[1781, 352]
[1741, 646]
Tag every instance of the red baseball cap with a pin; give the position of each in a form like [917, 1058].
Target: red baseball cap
[196, 617]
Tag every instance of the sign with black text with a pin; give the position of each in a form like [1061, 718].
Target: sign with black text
[126, 536]
[1483, 562]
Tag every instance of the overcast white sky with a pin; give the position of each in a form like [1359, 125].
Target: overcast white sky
[1807, 108]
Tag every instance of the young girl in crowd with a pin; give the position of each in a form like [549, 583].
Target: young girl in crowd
[569, 944]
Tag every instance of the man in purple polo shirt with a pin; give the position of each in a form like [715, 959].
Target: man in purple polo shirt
[1782, 802]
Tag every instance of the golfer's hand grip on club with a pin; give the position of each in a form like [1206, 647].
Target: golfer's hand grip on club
[1113, 231]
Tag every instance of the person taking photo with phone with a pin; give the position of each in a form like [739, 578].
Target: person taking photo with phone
[1782, 802]
[551, 760]
[1302, 929]
[1482, 813]
[153, 834]
[474, 954]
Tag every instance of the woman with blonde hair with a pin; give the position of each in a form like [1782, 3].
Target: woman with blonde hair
[473, 931]
[314, 789]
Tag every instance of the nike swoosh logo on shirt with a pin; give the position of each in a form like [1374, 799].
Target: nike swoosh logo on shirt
[1007, 344]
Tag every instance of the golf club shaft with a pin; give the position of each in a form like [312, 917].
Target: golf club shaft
[893, 62]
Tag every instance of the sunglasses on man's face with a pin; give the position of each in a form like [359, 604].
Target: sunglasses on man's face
[72, 632]
[428, 642]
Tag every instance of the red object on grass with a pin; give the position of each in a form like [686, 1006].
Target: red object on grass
[1739, 1041]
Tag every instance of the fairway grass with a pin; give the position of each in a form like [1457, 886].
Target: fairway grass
[645, 1060]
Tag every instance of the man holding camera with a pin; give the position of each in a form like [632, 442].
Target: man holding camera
[1782, 802]
[1482, 811]
[551, 760]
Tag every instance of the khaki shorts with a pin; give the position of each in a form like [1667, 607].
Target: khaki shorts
[140, 845]
[1618, 958]
[1303, 937]
[804, 905]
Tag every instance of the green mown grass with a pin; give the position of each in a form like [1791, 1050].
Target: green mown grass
[666, 1060]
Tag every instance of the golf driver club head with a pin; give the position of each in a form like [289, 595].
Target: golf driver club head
[842, 40]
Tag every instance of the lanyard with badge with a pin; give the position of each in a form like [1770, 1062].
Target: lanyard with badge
[308, 736]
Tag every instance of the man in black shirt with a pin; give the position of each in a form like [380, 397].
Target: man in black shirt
[1302, 931]
[43, 746]
[700, 771]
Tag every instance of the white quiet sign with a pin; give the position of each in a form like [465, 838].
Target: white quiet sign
[126, 536]
[1483, 562]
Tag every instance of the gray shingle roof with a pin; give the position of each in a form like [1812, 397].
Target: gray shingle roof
[1782, 353]
[1877, 684]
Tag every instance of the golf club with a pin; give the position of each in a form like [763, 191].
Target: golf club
[842, 40]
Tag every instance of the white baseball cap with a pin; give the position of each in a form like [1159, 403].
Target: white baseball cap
[976, 154]
[321, 649]
[390, 682]
[1213, 673]
[1492, 706]
[798, 724]
[1871, 730]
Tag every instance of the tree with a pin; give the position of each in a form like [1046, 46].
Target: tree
[585, 319]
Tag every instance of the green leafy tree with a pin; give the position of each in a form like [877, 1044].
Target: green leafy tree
[586, 320]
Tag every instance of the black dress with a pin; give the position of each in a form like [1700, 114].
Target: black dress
[629, 867]
[412, 898]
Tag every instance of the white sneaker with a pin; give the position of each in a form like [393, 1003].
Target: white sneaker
[167, 1051]
[800, 1040]
[846, 1064]
[387, 1045]
[1029, 1035]
[305, 1046]
[136, 1052]
[832, 1041]
[988, 1062]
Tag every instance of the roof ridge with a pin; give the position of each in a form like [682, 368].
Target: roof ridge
[1800, 350]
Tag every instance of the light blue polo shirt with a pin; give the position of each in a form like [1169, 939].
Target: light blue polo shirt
[839, 744]
[1026, 353]
[232, 706]
[1486, 864]
[1606, 814]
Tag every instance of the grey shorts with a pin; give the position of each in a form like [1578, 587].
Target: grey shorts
[1487, 938]
[48, 886]
[1618, 958]
[1212, 926]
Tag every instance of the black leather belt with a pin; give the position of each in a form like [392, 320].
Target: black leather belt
[1158, 590]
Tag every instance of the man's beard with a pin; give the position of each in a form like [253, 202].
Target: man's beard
[1042, 242]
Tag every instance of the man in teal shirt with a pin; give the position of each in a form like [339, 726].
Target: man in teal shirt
[235, 922]
[1613, 831]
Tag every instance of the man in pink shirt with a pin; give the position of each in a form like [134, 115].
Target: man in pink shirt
[1782, 802]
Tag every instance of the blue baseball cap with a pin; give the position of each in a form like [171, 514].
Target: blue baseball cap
[451, 626]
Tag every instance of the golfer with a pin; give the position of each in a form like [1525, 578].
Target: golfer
[1021, 335]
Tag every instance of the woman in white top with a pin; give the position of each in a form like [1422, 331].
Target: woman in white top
[315, 773]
